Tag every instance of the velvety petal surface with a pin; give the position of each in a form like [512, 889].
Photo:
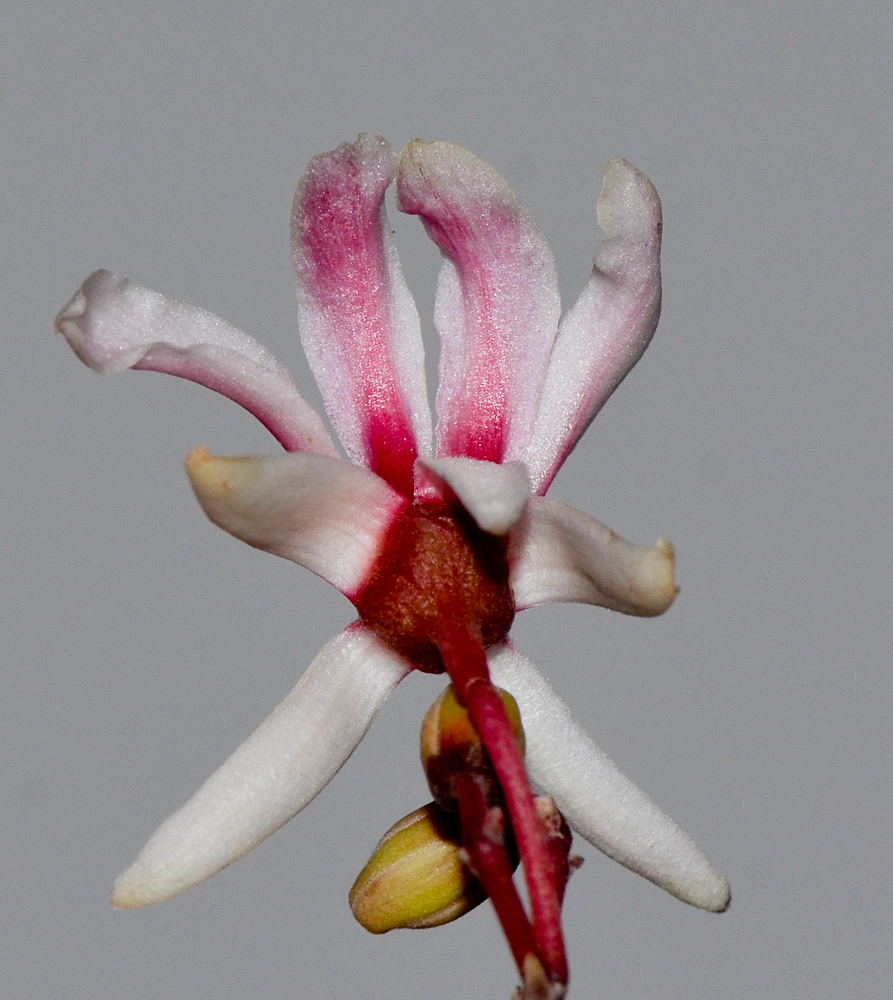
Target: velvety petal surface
[609, 327]
[281, 767]
[359, 324]
[323, 513]
[497, 304]
[494, 495]
[560, 554]
[113, 324]
[597, 799]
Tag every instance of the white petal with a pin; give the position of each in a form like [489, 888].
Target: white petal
[560, 554]
[609, 327]
[281, 767]
[323, 513]
[600, 802]
[494, 495]
[113, 324]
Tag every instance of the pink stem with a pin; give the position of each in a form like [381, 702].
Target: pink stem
[492, 868]
[465, 660]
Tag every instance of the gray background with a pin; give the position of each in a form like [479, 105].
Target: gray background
[141, 644]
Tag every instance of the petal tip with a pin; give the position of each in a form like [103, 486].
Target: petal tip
[215, 478]
[628, 200]
[712, 893]
[73, 311]
[77, 321]
[721, 897]
[494, 494]
[135, 888]
[659, 587]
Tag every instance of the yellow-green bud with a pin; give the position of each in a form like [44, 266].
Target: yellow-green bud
[416, 876]
[450, 746]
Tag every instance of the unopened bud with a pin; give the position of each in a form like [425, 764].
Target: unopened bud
[416, 876]
[450, 746]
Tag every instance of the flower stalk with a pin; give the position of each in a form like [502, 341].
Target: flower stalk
[466, 663]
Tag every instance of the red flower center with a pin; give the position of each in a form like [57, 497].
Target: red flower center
[437, 566]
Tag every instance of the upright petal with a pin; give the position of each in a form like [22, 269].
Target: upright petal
[281, 767]
[359, 324]
[599, 801]
[610, 326]
[113, 324]
[497, 303]
[560, 554]
[325, 514]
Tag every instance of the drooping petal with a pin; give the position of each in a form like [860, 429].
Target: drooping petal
[325, 514]
[560, 554]
[113, 324]
[494, 495]
[359, 324]
[597, 799]
[281, 767]
[497, 302]
[612, 323]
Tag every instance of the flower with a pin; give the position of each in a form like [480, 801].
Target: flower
[423, 525]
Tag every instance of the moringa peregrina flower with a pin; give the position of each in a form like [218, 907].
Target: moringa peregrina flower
[436, 535]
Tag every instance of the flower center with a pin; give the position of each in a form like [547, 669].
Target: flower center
[437, 566]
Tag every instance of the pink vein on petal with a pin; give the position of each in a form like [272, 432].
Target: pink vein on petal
[359, 325]
[497, 301]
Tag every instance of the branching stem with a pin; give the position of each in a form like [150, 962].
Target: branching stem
[466, 662]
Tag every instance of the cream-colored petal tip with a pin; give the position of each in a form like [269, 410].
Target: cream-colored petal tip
[134, 888]
[655, 583]
[628, 200]
[215, 477]
[716, 897]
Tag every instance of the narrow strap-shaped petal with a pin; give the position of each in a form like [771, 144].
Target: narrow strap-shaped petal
[497, 305]
[597, 799]
[559, 554]
[359, 324]
[281, 767]
[322, 513]
[113, 324]
[494, 495]
[609, 327]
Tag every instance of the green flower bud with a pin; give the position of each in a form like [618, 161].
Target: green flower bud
[416, 876]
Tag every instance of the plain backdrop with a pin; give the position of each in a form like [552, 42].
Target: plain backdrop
[140, 644]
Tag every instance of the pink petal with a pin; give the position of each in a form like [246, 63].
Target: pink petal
[560, 554]
[325, 514]
[359, 324]
[598, 800]
[497, 303]
[279, 769]
[113, 324]
[494, 495]
[610, 326]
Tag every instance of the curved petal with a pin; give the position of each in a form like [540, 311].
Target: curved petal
[324, 514]
[359, 324]
[494, 495]
[612, 323]
[113, 324]
[560, 554]
[599, 801]
[281, 767]
[497, 305]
